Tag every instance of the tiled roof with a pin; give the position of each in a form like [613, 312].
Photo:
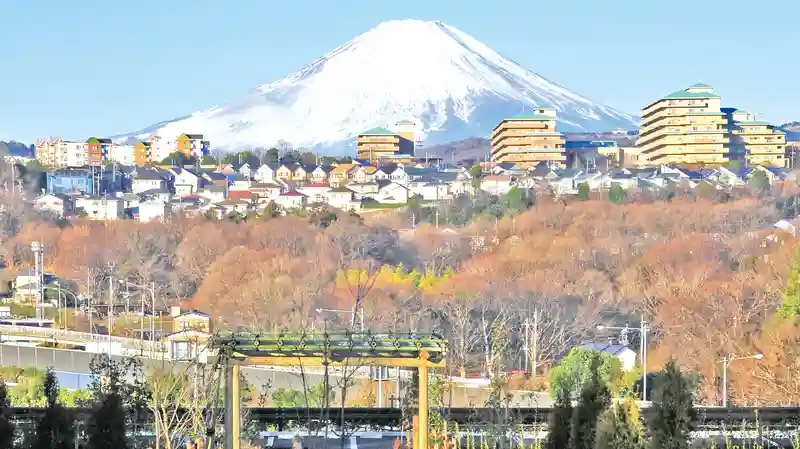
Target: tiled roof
[686, 94]
[377, 132]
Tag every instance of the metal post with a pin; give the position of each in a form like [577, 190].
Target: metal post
[110, 311]
[527, 346]
[232, 405]
[725, 362]
[397, 388]
[643, 332]
[58, 304]
[535, 341]
[422, 439]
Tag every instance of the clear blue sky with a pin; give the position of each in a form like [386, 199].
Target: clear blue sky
[102, 67]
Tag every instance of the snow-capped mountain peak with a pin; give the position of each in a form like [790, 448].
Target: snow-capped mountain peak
[448, 83]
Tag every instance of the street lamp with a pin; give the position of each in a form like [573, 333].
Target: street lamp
[64, 293]
[643, 330]
[727, 361]
[359, 314]
[152, 288]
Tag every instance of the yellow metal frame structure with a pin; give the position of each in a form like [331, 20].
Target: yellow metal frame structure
[328, 348]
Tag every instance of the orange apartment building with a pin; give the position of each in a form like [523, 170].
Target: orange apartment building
[528, 139]
[97, 150]
[142, 153]
[191, 145]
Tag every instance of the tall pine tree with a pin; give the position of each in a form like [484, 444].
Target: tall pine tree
[619, 427]
[6, 426]
[56, 428]
[594, 398]
[670, 417]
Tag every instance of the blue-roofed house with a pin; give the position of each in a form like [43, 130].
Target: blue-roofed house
[626, 355]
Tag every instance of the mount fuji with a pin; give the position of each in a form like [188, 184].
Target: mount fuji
[445, 81]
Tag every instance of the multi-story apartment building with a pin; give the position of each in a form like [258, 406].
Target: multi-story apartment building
[382, 145]
[192, 145]
[58, 153]
[686, 126]
[528, 139]
[121, 154]
[143, 153]
[160, 148]
[98, 150]
[753, 141]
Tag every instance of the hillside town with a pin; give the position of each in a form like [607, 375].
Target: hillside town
[686, 140]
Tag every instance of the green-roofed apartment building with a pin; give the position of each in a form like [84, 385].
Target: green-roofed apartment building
[754, 141]
[685, 127]
[528, 139]
[382, 145]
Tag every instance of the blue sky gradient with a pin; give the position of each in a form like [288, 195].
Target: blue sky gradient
[95, 67]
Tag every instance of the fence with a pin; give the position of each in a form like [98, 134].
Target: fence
[74, 336]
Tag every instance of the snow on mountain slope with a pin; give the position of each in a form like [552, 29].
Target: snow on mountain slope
[445, 81]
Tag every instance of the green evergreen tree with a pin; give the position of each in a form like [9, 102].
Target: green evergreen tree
[790, 303]
[669, 418]
[594, 398]
[55, 429]
[106, 426]
[616, 194]
[759, 181]
[558, 429]
[583, 191]
[619, 427]
[6, 426]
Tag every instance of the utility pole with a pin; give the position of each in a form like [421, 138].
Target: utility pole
[527, 345]
[643, 331]
[110, 310]
[535, 340]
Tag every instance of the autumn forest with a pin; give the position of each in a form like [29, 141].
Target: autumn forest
[709, 275]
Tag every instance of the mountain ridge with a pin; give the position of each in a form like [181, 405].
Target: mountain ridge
[447, 82]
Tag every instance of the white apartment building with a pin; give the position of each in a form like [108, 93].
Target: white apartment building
[161, 148]
[101, 208]
[121, 154]
[58, 153]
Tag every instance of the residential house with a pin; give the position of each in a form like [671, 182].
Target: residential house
[26, 285]
[291, 199]
[392, 193]
[149, 180]
[302, 173]
[268, 190]
[186, 181]
[213, 194]
[266, 173]
[314, 192]
[232, 205]
[101, 208]
[321, 174]
[341, 174]
[214, 178]
[507, 168]
[496, 184]
[364, 173]
[430, 189]
[365, 188]
[155, 194]
[190, 334]
[247, 170]
[626, 355]
[55, 203]
[240, 182]
[244, 195]
[395, 173]
[189, 205]
[154, 210]
[339, 197]
[286, 171]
